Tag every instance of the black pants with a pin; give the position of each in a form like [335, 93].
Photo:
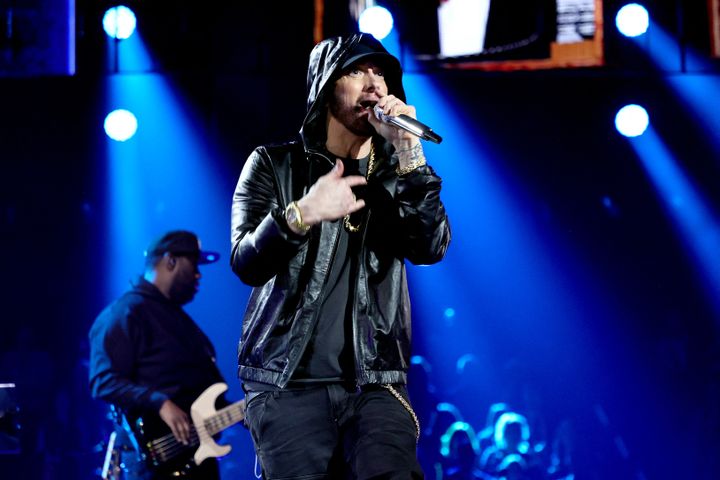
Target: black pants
[331, 432]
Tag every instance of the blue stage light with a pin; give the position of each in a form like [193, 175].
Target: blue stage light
[632, 120]
[632, 20]
[119, 22]
[120, 125]
[377, 21]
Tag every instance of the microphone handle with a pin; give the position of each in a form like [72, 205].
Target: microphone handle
[415, 127]
[409, 124]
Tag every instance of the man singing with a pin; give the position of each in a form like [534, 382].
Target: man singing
[321, 228]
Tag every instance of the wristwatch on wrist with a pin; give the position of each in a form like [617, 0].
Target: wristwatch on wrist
[294, 217]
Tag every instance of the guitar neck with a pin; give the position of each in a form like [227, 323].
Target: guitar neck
[224, 418]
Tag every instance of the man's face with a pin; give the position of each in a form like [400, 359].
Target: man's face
[186, 280]
[356, 92]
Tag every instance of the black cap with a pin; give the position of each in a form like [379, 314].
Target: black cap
[369, 48]
[179, 242]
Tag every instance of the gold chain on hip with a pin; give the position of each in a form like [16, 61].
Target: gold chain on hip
[407, 406]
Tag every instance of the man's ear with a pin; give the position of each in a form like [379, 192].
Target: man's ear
[171, 261]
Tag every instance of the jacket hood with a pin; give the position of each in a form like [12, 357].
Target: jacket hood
[326, 61]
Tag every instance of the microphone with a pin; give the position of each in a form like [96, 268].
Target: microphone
[408, 124]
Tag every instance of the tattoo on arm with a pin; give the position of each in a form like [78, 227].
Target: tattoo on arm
[412, 154]
[410, 159]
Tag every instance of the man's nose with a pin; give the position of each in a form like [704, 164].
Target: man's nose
[373, 79]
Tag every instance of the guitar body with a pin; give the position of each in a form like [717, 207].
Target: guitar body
[159, 449]
[165, 456]
[201, 410]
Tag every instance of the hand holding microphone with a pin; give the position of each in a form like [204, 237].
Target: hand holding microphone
[408, 124]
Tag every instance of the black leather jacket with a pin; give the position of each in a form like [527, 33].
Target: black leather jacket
[405, 219]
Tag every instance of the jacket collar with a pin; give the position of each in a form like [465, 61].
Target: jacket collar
[384, 151]
[149, 290]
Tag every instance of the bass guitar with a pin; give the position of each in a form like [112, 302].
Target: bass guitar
[165, 454]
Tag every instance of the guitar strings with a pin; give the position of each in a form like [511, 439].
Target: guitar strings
[168, 446]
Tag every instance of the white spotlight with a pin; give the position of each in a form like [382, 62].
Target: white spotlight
[120, 125]
[119, 22]
[377, 21]
[632, 20]
[632, 120]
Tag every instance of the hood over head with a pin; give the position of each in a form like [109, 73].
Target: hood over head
[327, 61]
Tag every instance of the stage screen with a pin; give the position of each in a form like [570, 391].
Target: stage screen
[507, 34]
[714, 14]
[37, 38]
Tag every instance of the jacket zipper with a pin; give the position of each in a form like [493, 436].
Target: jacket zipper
[321, 297]
[361, 260]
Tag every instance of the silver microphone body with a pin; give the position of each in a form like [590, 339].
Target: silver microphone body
[408, 124]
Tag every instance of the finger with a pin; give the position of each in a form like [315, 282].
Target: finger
[338, 169]
[185, 432]
[174, 428]
[178, 432]
[356, 206]
[355, 180]
[382, 101]
[400, 108]
[390, 105]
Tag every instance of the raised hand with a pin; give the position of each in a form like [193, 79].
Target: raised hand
[331, 197]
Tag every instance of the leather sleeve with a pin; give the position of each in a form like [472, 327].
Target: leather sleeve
[262, 242]
[425, 224]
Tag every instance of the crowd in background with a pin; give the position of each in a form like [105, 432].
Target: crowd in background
[510, 443]
[471, 428]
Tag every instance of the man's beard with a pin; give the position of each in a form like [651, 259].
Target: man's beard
[182, 292]
[347, 117]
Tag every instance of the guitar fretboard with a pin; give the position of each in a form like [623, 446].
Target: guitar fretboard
[224, 418]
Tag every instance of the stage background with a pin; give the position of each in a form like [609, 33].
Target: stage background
[571, 287]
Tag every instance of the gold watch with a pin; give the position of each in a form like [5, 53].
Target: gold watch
[294, 217]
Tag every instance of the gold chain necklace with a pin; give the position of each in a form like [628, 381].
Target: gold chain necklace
[371, 167]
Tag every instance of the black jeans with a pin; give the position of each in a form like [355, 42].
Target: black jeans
[333, 432]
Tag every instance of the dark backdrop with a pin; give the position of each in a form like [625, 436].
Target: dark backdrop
[551, 133]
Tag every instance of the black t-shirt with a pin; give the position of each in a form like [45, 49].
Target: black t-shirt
[329, 354]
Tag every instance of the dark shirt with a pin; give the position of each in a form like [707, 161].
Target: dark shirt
[144, 350]
[329, 354]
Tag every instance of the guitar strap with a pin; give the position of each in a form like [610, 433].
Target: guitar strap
[124, 428]
[122, 439]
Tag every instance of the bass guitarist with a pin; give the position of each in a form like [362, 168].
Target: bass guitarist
[150, 361]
